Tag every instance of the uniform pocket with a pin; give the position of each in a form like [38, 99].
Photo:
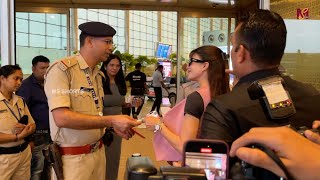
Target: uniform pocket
[82, 101]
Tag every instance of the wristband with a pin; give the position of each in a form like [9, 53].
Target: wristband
[158, 127]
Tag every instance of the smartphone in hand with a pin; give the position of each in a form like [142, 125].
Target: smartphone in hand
[210, 155]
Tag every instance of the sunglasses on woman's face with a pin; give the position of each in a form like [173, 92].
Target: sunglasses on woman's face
[196, 61]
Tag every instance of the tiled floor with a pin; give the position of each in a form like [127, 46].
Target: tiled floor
[139, 145]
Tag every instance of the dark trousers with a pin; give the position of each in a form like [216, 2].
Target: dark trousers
[158, 101]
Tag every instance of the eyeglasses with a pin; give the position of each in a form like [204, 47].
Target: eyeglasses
[196, 61]
[108, 41]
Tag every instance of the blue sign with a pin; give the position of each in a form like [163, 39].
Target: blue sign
[163, 50]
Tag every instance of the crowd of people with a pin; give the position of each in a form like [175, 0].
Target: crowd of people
[74, 103]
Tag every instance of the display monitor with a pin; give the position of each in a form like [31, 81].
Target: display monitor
[163, 50]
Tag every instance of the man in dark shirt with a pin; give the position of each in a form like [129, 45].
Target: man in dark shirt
[33, 93]
[138, 85]
[258, 45]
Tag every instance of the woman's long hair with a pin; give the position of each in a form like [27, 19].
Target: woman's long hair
[218, 79]
[119, 78]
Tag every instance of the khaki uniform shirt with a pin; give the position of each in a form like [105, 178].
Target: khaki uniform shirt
[66, 85]
[8, 120]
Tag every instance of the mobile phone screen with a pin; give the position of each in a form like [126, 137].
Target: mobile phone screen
[212, 157]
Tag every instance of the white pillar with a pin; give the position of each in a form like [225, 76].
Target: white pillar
[264, 4]
[7, 32]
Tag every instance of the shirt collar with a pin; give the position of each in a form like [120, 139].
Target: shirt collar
[83, 65]
[14, 98]
[34, 79]
[249, 78]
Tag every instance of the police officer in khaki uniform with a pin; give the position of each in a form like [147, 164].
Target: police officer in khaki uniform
[74, 89]
[16, 123]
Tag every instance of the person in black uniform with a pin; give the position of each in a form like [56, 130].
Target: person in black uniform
[138, 85]
[258, 42]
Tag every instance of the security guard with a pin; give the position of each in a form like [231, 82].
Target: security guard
[73, 86]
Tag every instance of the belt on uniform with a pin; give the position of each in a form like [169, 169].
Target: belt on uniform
[15, 149]
[86, 149]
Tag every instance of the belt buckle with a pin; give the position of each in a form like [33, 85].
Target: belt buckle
[94, 147]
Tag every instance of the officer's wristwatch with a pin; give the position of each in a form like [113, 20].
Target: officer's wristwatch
[157, 127]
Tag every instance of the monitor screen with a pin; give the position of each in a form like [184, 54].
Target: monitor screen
[163, 50]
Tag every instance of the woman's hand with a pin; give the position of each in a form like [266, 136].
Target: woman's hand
[151, 121]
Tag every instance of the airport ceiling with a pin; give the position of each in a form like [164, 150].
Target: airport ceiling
[139, 4]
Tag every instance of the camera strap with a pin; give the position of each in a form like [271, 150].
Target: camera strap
[275, 158]
[6, 103]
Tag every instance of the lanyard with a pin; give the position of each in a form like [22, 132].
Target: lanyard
[5, 102]
[94, 95]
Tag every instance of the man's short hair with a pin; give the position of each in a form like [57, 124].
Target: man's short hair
[160, 67]
[264, 34]
[138, 66]
[40, 58]
[82, 39]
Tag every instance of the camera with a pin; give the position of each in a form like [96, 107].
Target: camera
[244, 171]
[141, 168]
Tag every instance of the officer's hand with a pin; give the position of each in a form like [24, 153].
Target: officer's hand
[296, 152]
[125, 135]
[18, 128]
[26, 131]
[124, 123]
[312, 136]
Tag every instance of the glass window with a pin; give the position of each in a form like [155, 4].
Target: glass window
[169, 33]
[54, 19]
[22, 25]
[54, 30]
[22, 39]
[64, 43]
[82, 13]
[40, 33]
[63, 32]
[37, 28]
[37, 41]
[92, 15]
[22, 16]
[37, 17]
[53, 42]
[302, 53]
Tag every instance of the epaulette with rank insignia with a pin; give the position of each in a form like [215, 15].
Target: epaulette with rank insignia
[67, 63]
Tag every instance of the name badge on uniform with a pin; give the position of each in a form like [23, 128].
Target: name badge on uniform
[100, 113]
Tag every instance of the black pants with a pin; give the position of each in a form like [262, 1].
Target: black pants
[158, 101]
